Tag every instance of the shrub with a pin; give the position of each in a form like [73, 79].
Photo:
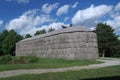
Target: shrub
[25, 59]
[19, 59]
[5, 59]
[32, 58]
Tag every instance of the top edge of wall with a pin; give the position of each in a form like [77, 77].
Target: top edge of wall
[65, 30]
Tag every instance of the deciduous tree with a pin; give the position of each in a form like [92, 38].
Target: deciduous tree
[9, 42]
[28, 36]
[107, 40]
[40, 32]
[51, 29]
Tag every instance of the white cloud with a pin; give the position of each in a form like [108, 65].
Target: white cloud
[28, 22]
[56, 26]
[66, 18]
[117, 7]
[46, 8]
[114, 14]
[19, 1]
[1, 22]
[75, 5]
[115, 23]
[115, 18]
[90, 14]
[62, 10]
[92, 28]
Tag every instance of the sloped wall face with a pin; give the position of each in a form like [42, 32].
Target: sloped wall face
[69, 45]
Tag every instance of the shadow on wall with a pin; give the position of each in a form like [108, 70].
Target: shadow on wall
[104, 78]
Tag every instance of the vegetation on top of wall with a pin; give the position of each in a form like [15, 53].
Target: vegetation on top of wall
[40, 32]
[51, 29]
[28, 36]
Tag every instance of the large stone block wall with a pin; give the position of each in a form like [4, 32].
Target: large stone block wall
[70, 43]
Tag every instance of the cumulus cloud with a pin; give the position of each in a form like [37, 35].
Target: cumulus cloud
[66, 18]
[55, 25]
[115, 23]
[90, 14]
[117, 7]
[75, 5]
[19, 1]
[28, 22]
[62, 10]
[1, 22]
[46, 8]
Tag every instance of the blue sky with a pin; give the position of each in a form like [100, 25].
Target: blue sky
[29, 16]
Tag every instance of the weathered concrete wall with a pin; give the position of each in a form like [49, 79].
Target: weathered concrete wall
[69, 43]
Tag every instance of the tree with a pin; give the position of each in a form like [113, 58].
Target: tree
[28, 36]
[9, 42]
[40, 32]
[107, 40]
[51, 29]
[3, 35]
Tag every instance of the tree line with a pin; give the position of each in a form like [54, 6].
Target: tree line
[40, 32]
[8, 40]
[108, 42]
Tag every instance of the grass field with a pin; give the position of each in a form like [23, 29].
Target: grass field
[107, 73]
[48, 63]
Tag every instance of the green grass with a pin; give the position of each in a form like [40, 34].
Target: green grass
[48, 63]
[107, 73]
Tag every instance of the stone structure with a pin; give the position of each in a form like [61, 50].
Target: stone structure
[69, 43]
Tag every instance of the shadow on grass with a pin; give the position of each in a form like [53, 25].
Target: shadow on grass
[104, 78]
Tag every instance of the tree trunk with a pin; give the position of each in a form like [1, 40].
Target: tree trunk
[103, 54]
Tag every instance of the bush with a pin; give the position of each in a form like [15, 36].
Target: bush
[5, 59]
[32, 58]
[19, 59]
[25, 59]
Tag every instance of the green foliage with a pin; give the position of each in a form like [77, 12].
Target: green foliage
[32, 58]
[25, 59]
[19, 59]
[5, 59]
[2, 37]
[8, 40]
[107, 41]
[28, 36]
[40, 32]
[51, 29]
